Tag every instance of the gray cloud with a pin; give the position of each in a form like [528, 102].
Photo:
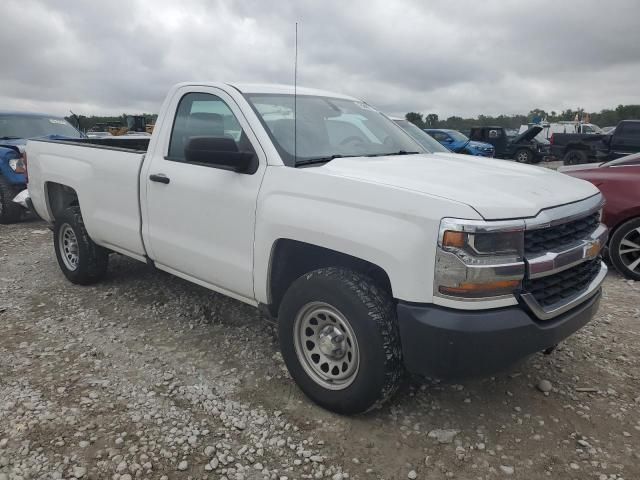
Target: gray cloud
[452, 58]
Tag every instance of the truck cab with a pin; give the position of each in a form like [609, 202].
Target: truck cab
[576, 148]
[624, 140]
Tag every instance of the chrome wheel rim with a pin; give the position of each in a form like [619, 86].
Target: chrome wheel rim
[629, 250]
[68, 245]
[523, 157]
[326, 346]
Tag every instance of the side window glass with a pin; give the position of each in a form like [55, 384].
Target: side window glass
[632, 130]
[204, 115]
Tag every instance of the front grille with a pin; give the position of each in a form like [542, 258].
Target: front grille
[548, 239]
[561, 286]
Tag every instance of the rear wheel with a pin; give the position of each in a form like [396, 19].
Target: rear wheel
[80, 259]
[523, 156]
[575, 157]
[339, 339]
[10, 212]
[624, 249]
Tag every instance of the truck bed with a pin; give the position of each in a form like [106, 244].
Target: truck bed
[105, 174]
[135, 144]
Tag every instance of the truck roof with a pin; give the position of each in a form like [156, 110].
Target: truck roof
[270, 88]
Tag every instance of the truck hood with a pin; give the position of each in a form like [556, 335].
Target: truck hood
[496, 189]
[527, 135]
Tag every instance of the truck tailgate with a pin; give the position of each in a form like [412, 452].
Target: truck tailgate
[106, 180]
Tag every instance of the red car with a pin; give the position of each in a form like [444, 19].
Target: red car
[619, 182]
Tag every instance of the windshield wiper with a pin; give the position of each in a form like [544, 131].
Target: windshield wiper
[400, 152]
[10, 137]
[312, 161]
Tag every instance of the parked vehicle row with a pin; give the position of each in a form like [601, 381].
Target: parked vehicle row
[374, 255]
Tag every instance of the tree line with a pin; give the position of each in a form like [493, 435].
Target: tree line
[606, 117]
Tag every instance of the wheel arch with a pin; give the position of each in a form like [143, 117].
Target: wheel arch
[626, 216]
[291, 259]
[59, 197]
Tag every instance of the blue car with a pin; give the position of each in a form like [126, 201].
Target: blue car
[459, 143]
[15, 129]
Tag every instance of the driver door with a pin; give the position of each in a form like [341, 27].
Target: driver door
[200, 218]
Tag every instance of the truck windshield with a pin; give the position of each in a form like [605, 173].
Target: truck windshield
[31, 126]
[328, 128]
[429, 143]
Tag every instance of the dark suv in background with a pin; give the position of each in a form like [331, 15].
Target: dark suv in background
[522, 148]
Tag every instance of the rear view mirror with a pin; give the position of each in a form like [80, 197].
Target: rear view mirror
[220, 152]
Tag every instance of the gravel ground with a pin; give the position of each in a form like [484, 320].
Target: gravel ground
[148, 376]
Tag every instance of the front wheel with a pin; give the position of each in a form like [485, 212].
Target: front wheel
[524, 156]
[80, 259]
[340, 341]
[624, 249]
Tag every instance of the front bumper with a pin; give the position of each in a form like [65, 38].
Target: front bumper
[447, 343]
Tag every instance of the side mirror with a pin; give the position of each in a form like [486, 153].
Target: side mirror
[219, 152]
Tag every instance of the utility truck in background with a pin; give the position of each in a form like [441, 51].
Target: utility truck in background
[374, 256]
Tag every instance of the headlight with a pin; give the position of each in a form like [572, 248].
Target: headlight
[479, 260]
[17, 165]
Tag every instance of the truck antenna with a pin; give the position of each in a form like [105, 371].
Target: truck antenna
[295, 100]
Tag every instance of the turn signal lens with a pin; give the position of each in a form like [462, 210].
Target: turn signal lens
[454, 239]
[480, 290]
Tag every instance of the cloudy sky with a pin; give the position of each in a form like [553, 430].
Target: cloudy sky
[462, 57]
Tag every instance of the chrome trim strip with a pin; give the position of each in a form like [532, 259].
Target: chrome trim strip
[556, 261]
[552, 311]
[565, 213]
[478, 226]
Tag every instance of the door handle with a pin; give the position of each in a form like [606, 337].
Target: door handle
[160, 178]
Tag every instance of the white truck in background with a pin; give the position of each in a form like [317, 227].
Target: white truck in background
[374, 256]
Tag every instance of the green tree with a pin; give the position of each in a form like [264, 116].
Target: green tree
[431, 120]
[415, 118]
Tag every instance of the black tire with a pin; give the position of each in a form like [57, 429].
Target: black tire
[619, 244]
[91, 259]
[523, 155]
[10, 212]
[371, 315]
[575, 157]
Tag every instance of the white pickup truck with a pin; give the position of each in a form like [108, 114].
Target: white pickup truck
[374, 255]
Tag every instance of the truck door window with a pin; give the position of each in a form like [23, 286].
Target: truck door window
[628, 130]
[204, 115]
